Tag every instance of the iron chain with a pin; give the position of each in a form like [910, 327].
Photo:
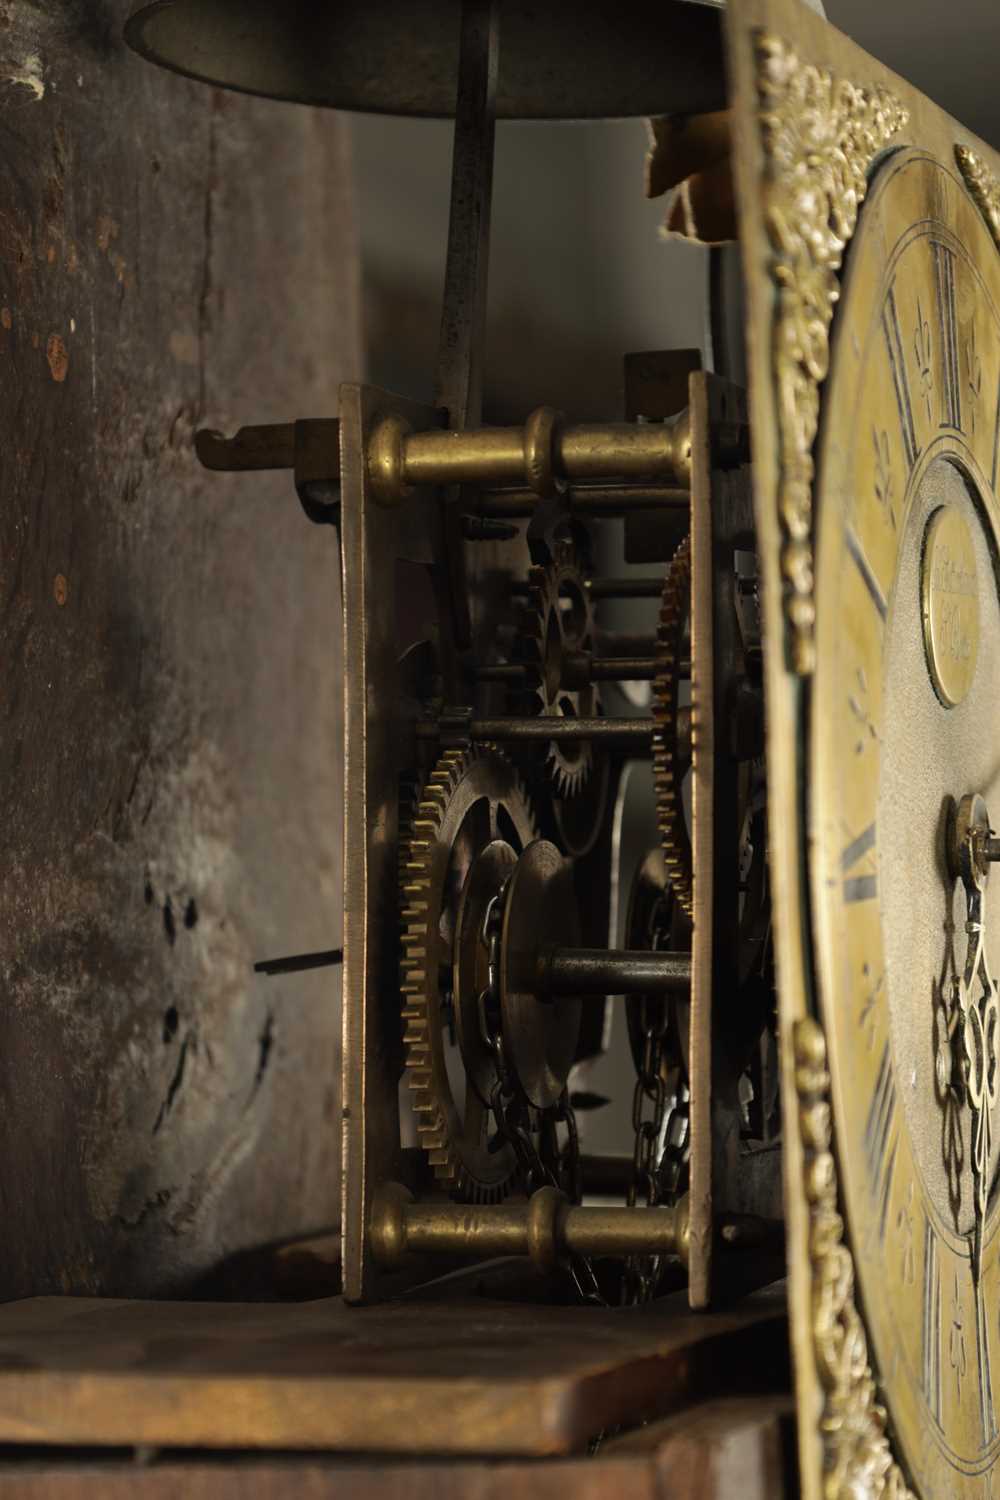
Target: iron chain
[651, 1124]
[513, 1114]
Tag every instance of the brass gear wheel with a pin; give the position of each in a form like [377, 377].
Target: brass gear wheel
[668, 772]
[473, 815]
[561, 619]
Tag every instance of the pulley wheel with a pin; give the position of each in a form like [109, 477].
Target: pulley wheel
[484, 882]
[540, 1036]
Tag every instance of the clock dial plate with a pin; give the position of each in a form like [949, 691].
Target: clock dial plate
[903, 718]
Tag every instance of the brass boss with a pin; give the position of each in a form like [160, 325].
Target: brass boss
[950, 605]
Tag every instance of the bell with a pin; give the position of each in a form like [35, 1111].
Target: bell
[557, 61]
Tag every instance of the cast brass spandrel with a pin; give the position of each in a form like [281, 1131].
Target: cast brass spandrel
[821, 134]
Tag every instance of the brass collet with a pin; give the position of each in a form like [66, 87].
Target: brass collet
[547, 1228]
[542, 455]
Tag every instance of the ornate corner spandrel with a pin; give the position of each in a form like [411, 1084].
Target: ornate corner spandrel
[821, 135]
[983, 186]
[857, 1458]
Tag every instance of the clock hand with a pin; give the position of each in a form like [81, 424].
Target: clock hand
[973, 848]
[980, 1016]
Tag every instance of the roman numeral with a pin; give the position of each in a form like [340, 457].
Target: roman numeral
[996, 444]
[987, 1412]
[944, 270]
[932, 1324]
[859, 887]
[864, 567]
[878, 1133]
[900, 383]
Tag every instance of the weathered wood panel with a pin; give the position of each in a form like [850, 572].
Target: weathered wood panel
[170, 795]
[415, 1376]
[725, 1448]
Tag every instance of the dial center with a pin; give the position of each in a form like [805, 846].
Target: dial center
[934, 751]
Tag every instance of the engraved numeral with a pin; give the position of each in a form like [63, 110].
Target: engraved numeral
[867, 572]
[944, 271]
[986, 1409]
[859, 887]
[885, 485]
[923, 349]
[900, 383]
[859, 705]
[872, 991]
[932, 1324]
[878, 1133]
[956, 1342]
[974, 383]
[904, 1229]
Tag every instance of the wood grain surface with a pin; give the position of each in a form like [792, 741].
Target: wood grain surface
[416, 1376]
[170, 790]
[722, 1447]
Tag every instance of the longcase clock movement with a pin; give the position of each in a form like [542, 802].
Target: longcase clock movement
[800, 958]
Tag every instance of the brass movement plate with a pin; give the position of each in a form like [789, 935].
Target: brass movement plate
[390, 609]
[950, 605]
[728, 1176]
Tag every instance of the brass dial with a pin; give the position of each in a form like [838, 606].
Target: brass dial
[903, 725]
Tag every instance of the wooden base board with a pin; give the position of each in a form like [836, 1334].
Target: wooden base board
[720, 1450]
[416, 1377]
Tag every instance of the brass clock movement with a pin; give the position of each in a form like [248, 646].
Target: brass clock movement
[804, 956]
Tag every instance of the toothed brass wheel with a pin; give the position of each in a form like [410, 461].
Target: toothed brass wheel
[670, 764]
[469, 826]
[560, 619]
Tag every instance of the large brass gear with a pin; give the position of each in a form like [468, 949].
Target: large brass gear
[668, 770]
[561, 619]
[473, 813]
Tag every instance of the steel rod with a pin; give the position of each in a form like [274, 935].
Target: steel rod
[608, 588]
[605, 500]
[299, 962]
[632, 734]
[635, 733]
[463, 310]
[625, 588]
[459, 385]
[611, 971]
[606, 1176]
[515, 672]
[580, 669]
[625, 643]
